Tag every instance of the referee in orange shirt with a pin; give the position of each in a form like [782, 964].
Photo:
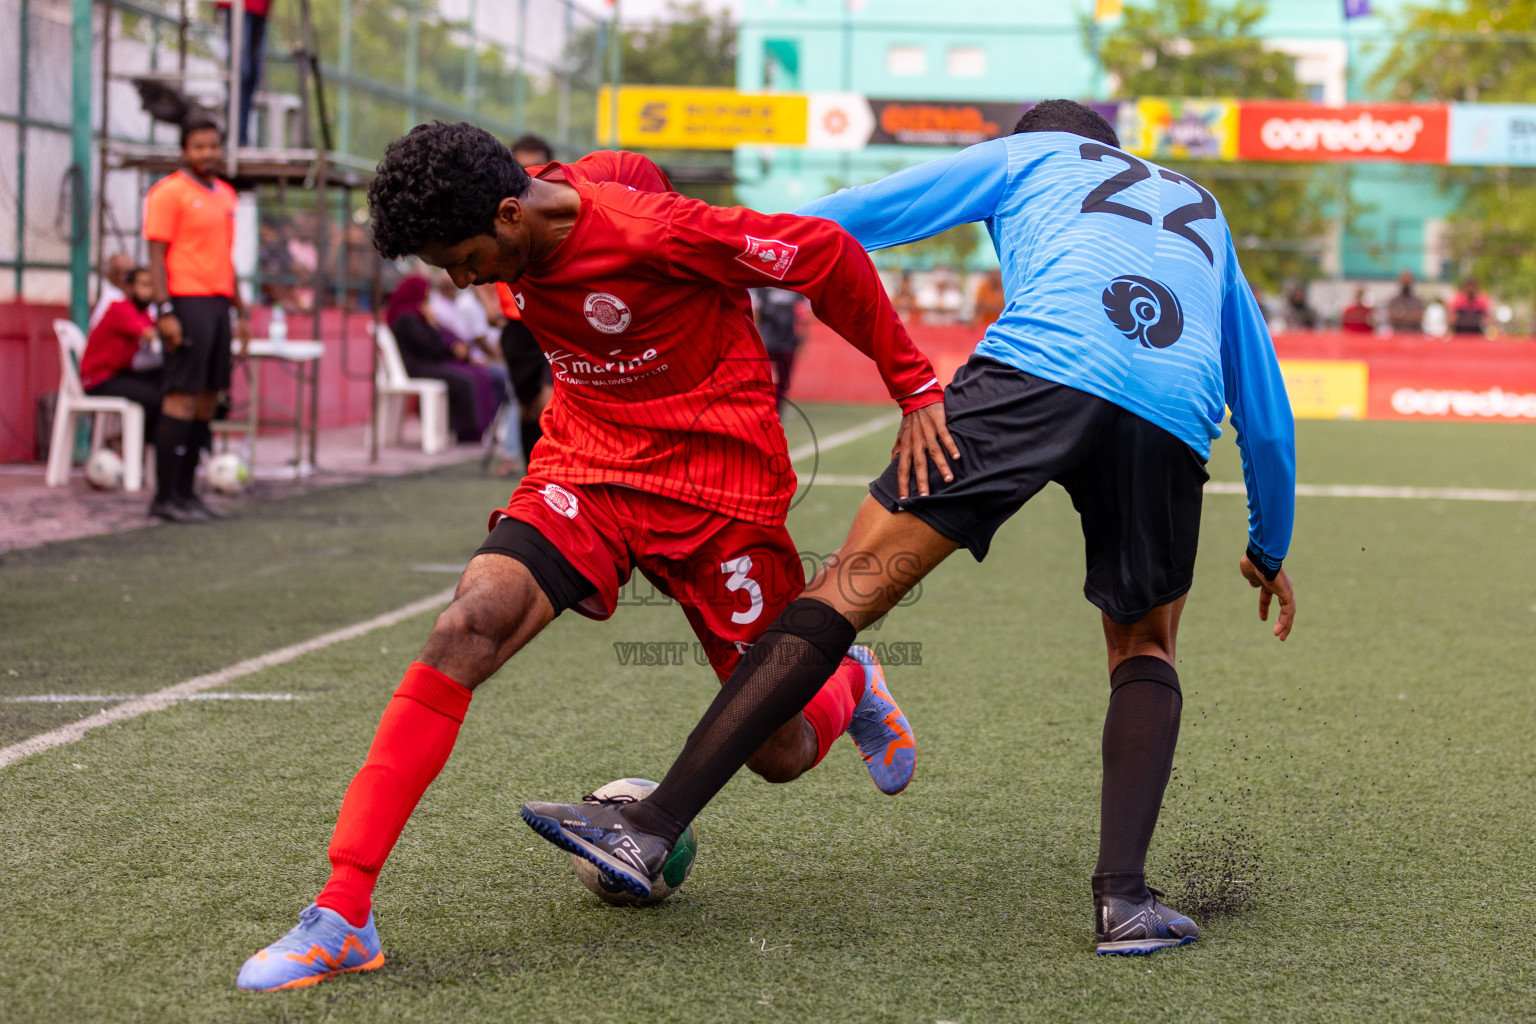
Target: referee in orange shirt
[189, 222]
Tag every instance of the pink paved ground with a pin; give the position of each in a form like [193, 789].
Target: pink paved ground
[32, 513]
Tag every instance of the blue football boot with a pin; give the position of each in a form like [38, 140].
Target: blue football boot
[322, 945]
[881, 730]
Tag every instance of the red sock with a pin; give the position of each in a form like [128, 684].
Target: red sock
[412, 744]
[830, 711]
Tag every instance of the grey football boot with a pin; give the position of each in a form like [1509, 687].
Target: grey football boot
[1124, 927]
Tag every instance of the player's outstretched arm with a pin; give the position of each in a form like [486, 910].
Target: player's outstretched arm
[1266, 438]
[827, 265]
[921, 201]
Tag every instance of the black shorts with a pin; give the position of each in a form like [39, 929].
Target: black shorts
[201, 362]
[1136, 487]
[561, 581]
[526, 364]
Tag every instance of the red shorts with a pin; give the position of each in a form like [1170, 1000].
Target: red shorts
[732, 578]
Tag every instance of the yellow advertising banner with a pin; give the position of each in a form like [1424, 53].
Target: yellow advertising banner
[1177, 129]
[1325, 389]
[674, 117]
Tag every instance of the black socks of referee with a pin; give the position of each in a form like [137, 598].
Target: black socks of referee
[775, 679]
[1140, 733]
[176, 455]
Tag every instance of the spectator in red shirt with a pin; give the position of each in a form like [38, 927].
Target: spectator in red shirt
[1359, 316]
[1469, 309]
[125, 327]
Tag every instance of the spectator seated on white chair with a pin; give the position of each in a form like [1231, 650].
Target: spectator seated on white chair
[394, 386]
[73, 401]
[120, 359]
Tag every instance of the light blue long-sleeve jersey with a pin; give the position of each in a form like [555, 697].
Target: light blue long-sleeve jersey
[1121, 280]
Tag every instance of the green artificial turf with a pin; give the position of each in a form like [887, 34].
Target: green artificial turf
[1371, 777]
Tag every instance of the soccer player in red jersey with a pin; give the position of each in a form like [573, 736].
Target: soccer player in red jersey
[662, 451]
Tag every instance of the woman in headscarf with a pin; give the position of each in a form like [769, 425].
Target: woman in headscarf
[427, 353]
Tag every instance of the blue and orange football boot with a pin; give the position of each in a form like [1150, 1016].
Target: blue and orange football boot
[322, 945]
[880, 729]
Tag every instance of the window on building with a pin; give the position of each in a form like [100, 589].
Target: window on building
[967, 62]
[781, 64]
[906, 61]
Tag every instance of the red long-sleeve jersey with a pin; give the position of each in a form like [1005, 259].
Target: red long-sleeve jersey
[661, 380]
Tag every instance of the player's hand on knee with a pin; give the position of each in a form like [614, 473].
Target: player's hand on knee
[923, 436]
[1279, 587]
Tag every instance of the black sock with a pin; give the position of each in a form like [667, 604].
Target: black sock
[175, 442]
[1140, 733]
[775, 679]
[202, 440]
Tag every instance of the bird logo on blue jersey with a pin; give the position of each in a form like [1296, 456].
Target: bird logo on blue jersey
[1144, 310]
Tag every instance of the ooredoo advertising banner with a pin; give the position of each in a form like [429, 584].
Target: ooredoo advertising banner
[1409, 377]
[1398, 132]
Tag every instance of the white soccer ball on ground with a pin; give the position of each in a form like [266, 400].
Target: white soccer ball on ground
[227, 473]
[104, 470]
[673, 873]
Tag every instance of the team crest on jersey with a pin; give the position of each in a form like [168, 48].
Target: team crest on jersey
[560, 499]
[768, 256]
[1144, 310]
[606, 312]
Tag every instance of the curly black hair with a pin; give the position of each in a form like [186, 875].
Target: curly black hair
[440, 183]
[1067, 116]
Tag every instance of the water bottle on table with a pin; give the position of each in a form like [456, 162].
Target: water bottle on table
[278, 329]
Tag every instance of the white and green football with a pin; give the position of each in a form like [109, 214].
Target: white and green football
[673, 873]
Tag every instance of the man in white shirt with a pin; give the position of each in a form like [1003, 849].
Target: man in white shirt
[462, 314]
[113, 281]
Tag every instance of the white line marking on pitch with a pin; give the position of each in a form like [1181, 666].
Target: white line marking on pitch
[111, 698]
[842, 437]
[162, 699]
[1312, 490]
[1370, 491]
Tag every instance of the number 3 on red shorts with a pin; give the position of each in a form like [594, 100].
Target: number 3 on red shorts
[738, 568]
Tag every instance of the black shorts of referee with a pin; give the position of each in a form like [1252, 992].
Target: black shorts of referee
[202, 361]
[1136, 487]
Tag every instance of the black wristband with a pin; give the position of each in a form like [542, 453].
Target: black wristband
[1265, 566]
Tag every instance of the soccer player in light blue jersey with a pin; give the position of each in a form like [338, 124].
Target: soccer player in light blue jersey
[1128, 330]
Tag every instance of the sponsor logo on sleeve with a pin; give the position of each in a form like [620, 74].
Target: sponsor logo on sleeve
[606, 312]
[768, 256]
[560, 499]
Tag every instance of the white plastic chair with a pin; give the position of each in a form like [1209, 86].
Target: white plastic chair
[393, 387]
[73, 401]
